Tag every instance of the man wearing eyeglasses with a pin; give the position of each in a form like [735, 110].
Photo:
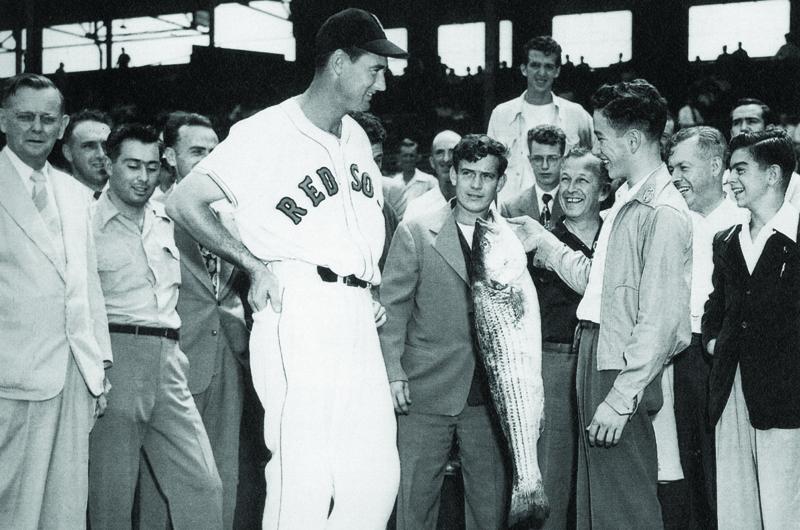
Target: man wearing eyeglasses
[546, 144]
[511, 121]
[55, 342]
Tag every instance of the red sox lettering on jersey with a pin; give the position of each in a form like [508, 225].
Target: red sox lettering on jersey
[361, 182]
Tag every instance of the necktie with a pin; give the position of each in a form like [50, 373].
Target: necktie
[41, 199]
[210, 260]
[544, 217]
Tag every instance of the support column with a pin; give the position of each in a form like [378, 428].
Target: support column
[492, 52]
[19, 50]
[33, 38]
[212, 22]
[108, 23]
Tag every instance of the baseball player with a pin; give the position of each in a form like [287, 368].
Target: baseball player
[307, 199]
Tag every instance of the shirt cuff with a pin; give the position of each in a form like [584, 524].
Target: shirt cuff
[620, 403]
[547, 245]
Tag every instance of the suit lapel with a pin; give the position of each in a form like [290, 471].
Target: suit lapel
[557, 212]
[15, 200]
[191, 259]
[448, 245]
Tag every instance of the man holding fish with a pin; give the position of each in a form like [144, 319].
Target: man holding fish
[438, 385]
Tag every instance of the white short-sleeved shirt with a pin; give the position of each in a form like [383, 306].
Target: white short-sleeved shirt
[301, 193]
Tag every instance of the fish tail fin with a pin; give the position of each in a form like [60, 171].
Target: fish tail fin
[527, 505]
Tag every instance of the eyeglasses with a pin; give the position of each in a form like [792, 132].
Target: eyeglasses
[29, 118]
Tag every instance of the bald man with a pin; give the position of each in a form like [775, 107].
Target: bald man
[441, 161]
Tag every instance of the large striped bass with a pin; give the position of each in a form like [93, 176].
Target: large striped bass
[508, 327]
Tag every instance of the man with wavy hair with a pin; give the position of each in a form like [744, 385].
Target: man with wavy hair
[626, 332]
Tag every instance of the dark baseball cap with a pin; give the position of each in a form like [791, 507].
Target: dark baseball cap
[359, 28]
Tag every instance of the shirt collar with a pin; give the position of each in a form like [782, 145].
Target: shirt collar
[784, 221]
[521, 104]
[296, 114]
[105, 210]
[540, 192]
[25, 171]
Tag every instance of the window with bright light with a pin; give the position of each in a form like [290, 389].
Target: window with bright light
[759, 26]
[597, 37]
[464, 45]
[398, 36]
[8, 59]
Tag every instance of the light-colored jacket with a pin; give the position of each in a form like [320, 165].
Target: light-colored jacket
[507, 125]
[51, 305]
[427, 338]
[644, 308]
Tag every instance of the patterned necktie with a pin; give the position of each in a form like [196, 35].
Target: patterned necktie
[210, 260]
[544, 217]
[41, 199]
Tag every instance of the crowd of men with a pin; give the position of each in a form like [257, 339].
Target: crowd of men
[667, 268]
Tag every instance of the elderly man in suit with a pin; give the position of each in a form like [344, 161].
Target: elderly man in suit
[541, 201]
[52, 319]
[438, 388]
[213, 331]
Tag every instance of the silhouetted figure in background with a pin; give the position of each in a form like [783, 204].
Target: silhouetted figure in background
[124, 60]
[790, 50]
[740, 54]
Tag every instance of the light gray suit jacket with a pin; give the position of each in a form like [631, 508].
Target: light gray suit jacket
[50, 305]
[427, 339]
[206, 320]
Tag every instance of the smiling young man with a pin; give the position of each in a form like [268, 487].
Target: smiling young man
[584, 184]
[438, 386]
[751, 327]
[511, 121]
[84, 148]
[627, 332]
[150, 411]
[307, 198]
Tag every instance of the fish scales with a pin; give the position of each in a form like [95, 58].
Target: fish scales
[508, 328]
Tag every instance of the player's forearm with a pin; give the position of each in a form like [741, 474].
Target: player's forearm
[204, 226]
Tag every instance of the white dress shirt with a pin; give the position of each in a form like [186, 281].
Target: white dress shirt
[540, 200]
[725, 215]
[589, 307]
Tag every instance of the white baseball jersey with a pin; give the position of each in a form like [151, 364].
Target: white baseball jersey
[302, 193]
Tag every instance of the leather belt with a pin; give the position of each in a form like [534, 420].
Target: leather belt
[557, 347]
[167, 333]
[327, 275]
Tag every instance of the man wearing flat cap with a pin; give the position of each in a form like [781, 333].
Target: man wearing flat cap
[307, 201]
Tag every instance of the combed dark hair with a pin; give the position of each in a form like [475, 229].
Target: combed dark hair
[766, 112]
[632, 104]
[371, 124]
[178, 119]
[131, 131]
[600, 170]
[772, 147]
[408, 142]
[474, 147]
[710, 141]
[353, 52]
[548, 135]
[85, 115]
[28, 80]
[545, 44]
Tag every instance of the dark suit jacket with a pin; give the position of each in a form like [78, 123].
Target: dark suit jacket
[427, 338]
[526, 203]
[204, 320]
[756, 321]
